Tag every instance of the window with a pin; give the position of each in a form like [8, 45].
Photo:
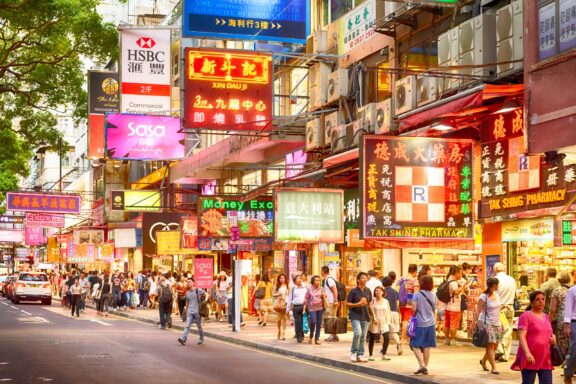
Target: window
[332, 10]
[556, 27]
[32, 277]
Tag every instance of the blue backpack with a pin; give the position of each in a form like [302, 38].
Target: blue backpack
[403, 292]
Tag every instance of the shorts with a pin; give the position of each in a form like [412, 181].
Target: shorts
[425, 337]
[405, 313]
[265, 305]
[452, 320]
[395, 326]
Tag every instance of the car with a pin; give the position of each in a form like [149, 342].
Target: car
[32, 286]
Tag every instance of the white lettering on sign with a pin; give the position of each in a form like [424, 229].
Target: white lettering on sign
[147, 130]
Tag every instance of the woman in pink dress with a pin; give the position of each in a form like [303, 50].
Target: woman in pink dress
[536, 336]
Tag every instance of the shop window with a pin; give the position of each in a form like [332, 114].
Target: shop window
[332, 10]
[556, 27]
[298, 90]
[384, 81]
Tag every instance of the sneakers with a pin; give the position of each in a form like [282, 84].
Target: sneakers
[200, 342]
[454, 343]
[385, 358]
[399, 349]
[371, 358]
[353, 357]
[446, 341]
[182, 341]
[362, 359]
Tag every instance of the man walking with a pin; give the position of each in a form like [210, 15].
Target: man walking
[194, 298]
[331, 291]
[373, 281]
[165, 298]
[506, 292]
[143, 288]
[549, 286]
[297, 303]
[85, 284]
[359, 303]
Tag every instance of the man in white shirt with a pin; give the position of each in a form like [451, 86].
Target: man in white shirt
[297, 303]
[506, 292]
[570, 331]
[331, 291]
[373, 281]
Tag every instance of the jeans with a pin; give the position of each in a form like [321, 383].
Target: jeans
[570, 363]
[298, 312]
[231, 312]
[143, 298]
[104, 302]
[196, 319]
[360, 328]
[128, 297]
[181, 305]
[544, 376]
[75, 304]
[83, 301]
[165, 310]
[116, 297]
[315, 323]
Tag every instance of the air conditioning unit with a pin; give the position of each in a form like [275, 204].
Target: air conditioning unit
[314, 134]
[338, 138]
[448, 56]
[367, 117]
[390, 8]
[509, 37]
[384, 114]
[317, 43]
[354, 133]
[427, 89]
[331, 122]
[476, 39]
[337, 85]
[318, 85]
[405, 94]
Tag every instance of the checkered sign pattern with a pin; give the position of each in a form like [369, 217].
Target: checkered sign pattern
[420, 194]
[523, 171]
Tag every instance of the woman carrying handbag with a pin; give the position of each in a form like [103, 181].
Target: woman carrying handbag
[280, 295]
[488, 321]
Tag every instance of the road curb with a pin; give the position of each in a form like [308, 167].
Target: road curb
[300, 355]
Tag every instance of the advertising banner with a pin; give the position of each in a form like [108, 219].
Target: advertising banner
[309, 215]
[22, 252]
[53, 251]
[125, 237]
[145, 71]
[189, 231]
[103, 95]
[96, 136]
[417, 188]
[44, 220]
[357, 26]
[133, 200]
[34, 236]
[9, 219]
[204, 272]
[168, 242]
[282, 20]
[88, 236]
[11, 236]
[82, 253]
[153, 222]
[228, 89]
[255, 218]
[528, 230]
[42, 202]
[144, 137]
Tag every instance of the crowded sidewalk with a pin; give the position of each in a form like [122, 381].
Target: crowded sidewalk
[447, 364]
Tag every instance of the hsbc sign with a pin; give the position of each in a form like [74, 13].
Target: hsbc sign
[145, 71]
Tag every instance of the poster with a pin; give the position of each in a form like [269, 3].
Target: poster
[491, 260]
[189, 231]
[88, 236]
[204, 272]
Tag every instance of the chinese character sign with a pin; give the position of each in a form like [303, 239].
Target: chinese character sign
[313, 216]
[547, 31]
[144, 137]
[280, 20]
[37, 202]
[357, 26]
[228, 90]
[567, 24]
[168, 242]
[417, 188]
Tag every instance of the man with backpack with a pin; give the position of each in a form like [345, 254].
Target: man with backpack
[165, 299]
[194, 298]
[143, 288]
[330, 287]
[406, 287]
[450, 292]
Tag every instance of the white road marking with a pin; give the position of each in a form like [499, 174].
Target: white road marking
[100, 322]
[4, 363]
[4, 303]
[45, 379]
[5, 379]
[14, 307]
[28, 313]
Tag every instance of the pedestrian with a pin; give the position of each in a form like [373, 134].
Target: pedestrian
[373, 281]
[143, 288]
[165, 299]
[392, 298]
[153, 292]
[425, 270]
[359, 302]
[424, 309]
[507, 293]
[69, 284]
[76, 297]
[453, 311]
[557, 307]
[253, 300]
[296, 303]
[116, 290]
[407, 285]
[129, 286]
[105, 295]
[280, 298]
[331, 296]
[181, 290]
[315, 298]
[549, 286]
[85, 285]
[64, 291]
[265, 305]
[194, 298]
[569, 328]
[380, 325]
[535, 336]
[222, 295]
[488, 319]
[304, 278]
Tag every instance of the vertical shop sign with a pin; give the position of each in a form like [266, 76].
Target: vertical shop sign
[417, 188]
[145, 71]
[103, 97]
[204, 272]
[547, 31]
[567, 24]
[357, 26]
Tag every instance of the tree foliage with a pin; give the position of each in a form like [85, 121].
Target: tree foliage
[42, 47]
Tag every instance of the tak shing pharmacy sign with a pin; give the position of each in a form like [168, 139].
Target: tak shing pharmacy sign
[145, 71]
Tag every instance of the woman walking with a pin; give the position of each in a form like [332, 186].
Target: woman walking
[280, 295]
[315, 298]
[265, 304]
[557, 310]
[222, 296]
[488, 318]
[181, 290]
[153, 293]
[128, 287]
[382, 324]
[105, 295]
[424, 309]
[76, 292]
[535, 336]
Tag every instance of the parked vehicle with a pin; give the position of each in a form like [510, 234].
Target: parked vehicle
[32, 286]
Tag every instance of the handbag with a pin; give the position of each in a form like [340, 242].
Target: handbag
[556, 355]
[203, 309]
[335, 325]
[260, 293]
[305, 323]
[280, 304]
[413, 322]
[480, 335]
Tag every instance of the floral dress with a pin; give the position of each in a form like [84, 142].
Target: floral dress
[560, 295]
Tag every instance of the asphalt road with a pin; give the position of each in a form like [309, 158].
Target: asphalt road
[40, 344]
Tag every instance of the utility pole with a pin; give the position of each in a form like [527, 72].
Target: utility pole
[60, 166]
